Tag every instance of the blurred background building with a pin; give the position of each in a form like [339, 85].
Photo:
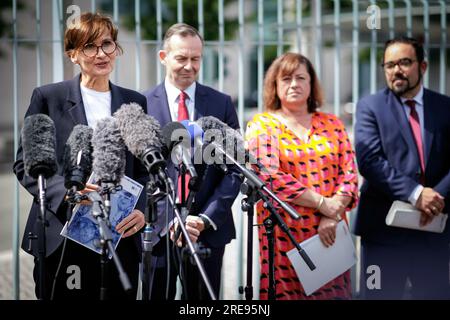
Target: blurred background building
[343, 38]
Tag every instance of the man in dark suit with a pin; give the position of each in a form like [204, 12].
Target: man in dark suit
[210, 221]
[403, 151]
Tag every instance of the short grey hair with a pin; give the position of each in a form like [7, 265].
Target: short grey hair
[181, 29]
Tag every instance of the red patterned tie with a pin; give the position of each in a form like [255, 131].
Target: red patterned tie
[182, 115]
[415, 127]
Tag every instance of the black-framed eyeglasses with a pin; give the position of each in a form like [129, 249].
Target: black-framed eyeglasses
[404, 63]
[91, 50]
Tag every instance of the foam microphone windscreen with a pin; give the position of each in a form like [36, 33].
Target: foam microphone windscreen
[195, 131]
[38, 143]
[174, 132]
[232, 139]
[78, 155]
[139, 130]
[109, 151]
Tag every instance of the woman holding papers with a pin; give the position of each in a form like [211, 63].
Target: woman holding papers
[71, 270]
[309, 164]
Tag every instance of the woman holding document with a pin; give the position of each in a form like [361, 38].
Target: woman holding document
[71, 270]
[309, 164]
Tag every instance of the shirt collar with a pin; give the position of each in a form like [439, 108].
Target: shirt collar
[418, 98]
[173, 92]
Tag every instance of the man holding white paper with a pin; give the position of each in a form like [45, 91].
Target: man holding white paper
[403, 151]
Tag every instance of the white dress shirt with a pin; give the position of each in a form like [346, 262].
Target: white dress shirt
[97, 105]
[173, 95]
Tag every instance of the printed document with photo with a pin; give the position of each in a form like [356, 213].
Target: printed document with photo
[330, 262]
[83, 228]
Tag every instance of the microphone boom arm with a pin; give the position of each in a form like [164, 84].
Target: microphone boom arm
[259, 186]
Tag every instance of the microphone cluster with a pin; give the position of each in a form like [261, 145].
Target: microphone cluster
[102, 151]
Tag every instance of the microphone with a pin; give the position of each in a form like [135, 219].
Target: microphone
[108, 152]
[233, 140]
[38, 142]
[231, 136]
[196, 138]
[141, 134]
[78, 157]
[178, 142]
[205, 152]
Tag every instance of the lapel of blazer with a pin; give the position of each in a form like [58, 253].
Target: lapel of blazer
[116, 98]
[161, 106]
[201, 103]
[74, 105]
[428, 123]
[399, 115]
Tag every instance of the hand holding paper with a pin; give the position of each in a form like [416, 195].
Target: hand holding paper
[330, 261]
[405, 215]
[430, 202]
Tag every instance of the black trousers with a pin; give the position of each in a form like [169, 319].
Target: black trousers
[85, 263]
[426, 267]
[191, 279]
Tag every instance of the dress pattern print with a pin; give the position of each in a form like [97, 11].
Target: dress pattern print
[323, 161]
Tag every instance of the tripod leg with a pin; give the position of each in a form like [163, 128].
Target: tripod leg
[268, 223]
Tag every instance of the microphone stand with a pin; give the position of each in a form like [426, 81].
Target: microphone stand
[270, 223]
[190, 245]
[154, 194]
[255, 183]
[182, 218]
[247, 205]
[100, 213]
[41, 236]
[154, 162]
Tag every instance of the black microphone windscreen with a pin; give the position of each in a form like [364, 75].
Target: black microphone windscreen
[232, 139]
[78, 154]
[139, 130]
[109, 151]
[173, 133]
[38, 143]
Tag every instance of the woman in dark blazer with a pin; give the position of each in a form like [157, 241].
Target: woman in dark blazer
[87, 98]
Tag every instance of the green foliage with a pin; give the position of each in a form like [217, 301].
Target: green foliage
[6, 11]
[6, 29]
[364, 55]
[169, 17]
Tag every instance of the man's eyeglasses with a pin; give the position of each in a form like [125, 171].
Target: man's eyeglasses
[91, 50]
[404, 64]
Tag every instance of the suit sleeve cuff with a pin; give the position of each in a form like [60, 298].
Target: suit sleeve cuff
[211, 223]
[415, 194]
[164, 230]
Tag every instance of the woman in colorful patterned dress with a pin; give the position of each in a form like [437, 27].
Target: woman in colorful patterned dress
[310, 165]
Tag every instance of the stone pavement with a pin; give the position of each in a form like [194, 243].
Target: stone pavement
[26, 283]
[26, 276]
[233, 273]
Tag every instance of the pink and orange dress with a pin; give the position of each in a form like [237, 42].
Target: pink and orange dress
[323, 161]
